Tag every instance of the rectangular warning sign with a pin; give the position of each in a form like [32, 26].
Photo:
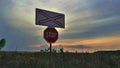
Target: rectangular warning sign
[49, 18]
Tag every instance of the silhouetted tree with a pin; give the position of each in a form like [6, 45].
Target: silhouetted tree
[61, 50]
[2, 43]
[44, 50]
[54, 51]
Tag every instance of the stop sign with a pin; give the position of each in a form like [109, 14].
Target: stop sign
[50, 35]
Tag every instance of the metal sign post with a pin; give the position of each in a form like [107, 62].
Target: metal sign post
[50, 19]
[50, 62]
[50, 35]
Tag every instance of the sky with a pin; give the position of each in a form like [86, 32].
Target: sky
[90, 25]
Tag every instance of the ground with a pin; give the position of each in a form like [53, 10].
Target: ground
[101, 59]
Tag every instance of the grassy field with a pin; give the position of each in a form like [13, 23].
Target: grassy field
[103, 59]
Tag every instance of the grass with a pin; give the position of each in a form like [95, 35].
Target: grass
[60, 60]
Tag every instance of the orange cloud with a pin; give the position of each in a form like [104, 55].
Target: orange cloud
[102, 42]
[36, 46]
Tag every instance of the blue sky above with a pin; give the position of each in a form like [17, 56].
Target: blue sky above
[93, 20]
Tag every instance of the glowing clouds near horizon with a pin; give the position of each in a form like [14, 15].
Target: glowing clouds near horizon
[92, 44]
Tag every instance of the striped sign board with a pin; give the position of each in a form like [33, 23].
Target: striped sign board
[49, 18]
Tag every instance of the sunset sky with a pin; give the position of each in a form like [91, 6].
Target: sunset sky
[89, 24]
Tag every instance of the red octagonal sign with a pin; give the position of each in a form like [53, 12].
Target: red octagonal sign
[50, 35]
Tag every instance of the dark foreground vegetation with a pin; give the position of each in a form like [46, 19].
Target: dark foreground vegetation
[101, 59]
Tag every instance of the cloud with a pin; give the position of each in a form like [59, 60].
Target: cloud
[101, 19]
[105, 9]
[108, 29]
[16, 27]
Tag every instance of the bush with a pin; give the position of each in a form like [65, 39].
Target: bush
[2, 43]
